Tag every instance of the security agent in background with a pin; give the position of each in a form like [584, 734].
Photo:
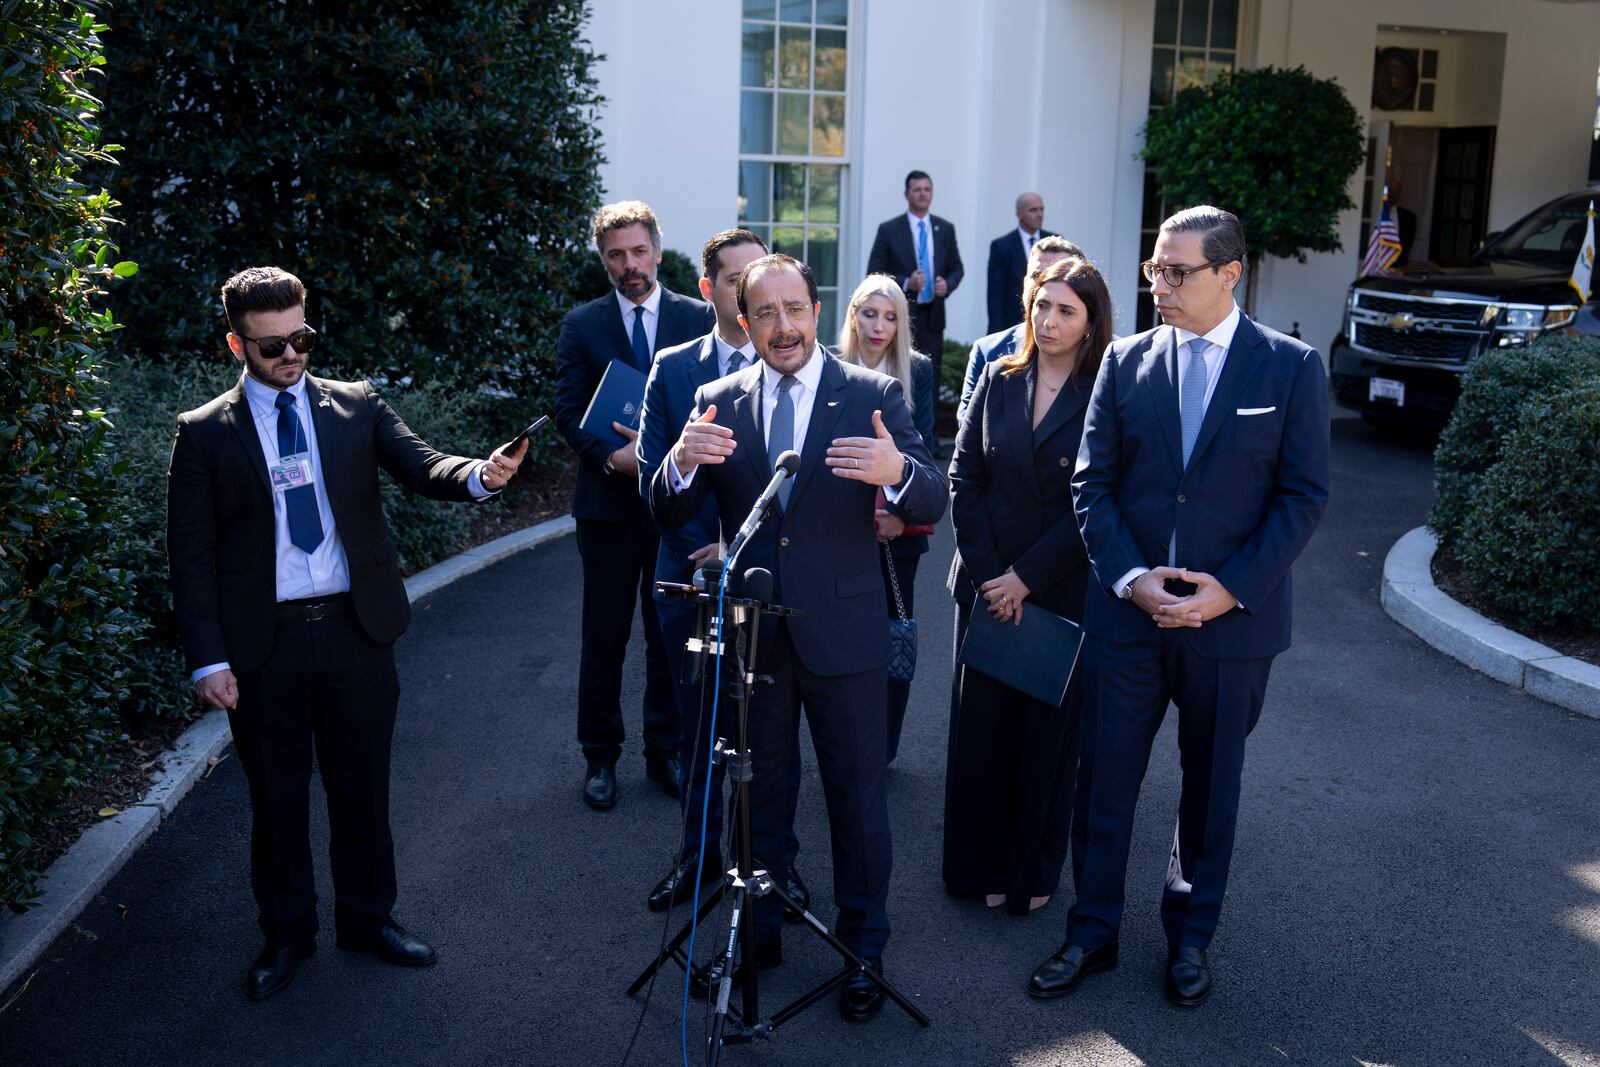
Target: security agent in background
[919, 250]
[289, 601]
[1008, 262]
[617, 541]
[854, 434]
[669, 403]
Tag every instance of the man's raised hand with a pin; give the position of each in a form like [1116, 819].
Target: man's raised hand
[703, 441]
[874, 460]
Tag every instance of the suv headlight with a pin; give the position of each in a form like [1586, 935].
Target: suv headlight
[1520, 324]
[1522, 318]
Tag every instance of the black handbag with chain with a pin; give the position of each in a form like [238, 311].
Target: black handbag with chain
[902, 631]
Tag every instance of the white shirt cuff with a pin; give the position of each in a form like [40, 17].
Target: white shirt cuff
[475, 484]
[215, 668]
[893, 495]
[678, 482]
[1123, 582]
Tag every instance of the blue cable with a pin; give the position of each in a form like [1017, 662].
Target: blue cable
[705, 808]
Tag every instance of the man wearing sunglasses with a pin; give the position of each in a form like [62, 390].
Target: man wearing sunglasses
[1202, 474]
[289, 600]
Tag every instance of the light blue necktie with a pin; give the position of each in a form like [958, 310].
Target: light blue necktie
[925, 261]
[641, 343]
[305, 525]
[781, 439]
[1192, 399]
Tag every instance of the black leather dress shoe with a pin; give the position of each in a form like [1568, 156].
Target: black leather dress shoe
[1061, 973]
[861, 999]
[798, 893]
[665, 771]
[391, 944]
[600, 787]
[678, 885]
[274, 969]
[1188, 977]
[702, 978]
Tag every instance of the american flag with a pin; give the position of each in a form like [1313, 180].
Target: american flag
[1384, 247]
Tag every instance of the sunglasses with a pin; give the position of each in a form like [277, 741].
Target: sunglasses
[304, 340]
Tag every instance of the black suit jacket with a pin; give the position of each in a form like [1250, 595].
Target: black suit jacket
[894, 253]
[1011, 493]
[220, 531]
[823, 549]
[591, 337]
[1007, 265]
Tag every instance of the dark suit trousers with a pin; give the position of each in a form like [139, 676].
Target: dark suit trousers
[905, 569]
[846, 717]
[924, 338]
[694, 706]
[325, 684]
[619, 567]
[1127, 687]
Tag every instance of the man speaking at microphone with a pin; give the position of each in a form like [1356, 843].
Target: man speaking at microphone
[854, 434]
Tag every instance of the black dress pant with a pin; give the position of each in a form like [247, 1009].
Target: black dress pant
[905, 569]
[326, 685]
[619, 568]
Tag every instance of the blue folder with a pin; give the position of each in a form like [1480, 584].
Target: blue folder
[619, 399]
[1036, 658]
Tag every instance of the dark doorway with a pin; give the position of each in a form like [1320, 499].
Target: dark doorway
[1461, 193]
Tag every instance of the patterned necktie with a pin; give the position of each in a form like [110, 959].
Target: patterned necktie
[641, 343]
[925, 262]
[1192, 398]
[735, 361]
[781, 439]
[305, 525]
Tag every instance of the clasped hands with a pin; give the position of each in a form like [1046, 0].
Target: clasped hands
[1209, 600]
[1004, 596]
[874, 460]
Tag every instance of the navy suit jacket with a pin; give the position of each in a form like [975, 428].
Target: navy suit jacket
[1007, 265]
[668, 404]
[985, 350]
[822, 549]
[1254, 489]
[894, 253]
[591, 337]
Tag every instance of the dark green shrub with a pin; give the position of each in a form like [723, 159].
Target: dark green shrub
[67, 624]
[1493, 392]
[427, 167]
[1531, 539]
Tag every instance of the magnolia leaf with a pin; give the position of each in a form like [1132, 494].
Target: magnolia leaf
[107, 812]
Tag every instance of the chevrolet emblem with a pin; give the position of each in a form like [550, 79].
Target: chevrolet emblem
[1403, 321]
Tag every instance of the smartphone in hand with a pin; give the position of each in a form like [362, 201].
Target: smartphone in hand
[525, 434]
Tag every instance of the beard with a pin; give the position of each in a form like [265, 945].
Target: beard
[279, 373]
[634, 283]
[788, 360]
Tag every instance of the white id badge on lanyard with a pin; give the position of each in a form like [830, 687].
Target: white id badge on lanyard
[292, 472]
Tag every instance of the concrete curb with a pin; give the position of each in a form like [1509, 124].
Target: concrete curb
[83, 870]
[1412, 600]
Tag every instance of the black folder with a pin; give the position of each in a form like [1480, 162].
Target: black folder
[1036, 658]
[619, 398]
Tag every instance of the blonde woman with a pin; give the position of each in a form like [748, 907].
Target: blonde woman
[877, 335]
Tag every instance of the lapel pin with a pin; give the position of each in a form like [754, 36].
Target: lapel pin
[833, 403]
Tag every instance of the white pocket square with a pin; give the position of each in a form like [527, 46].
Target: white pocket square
[1256, 411]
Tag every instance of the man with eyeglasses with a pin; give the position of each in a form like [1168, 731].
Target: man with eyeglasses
[854, 434]
[1202, 475]
[289, 600]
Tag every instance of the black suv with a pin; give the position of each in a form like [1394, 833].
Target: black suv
[1408, 335]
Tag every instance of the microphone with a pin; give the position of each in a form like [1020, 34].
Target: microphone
[709, 575]
[757, 585]
[787, 464]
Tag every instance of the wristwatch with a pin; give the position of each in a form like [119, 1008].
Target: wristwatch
[906, 468]
[1127, 590]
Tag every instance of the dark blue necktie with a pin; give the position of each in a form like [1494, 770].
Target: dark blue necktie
[641, 343]
[305, 525]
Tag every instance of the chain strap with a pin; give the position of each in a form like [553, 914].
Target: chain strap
[894, 581]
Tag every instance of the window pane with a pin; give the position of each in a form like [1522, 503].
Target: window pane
[1219, 63]
[825, 193]
[760, 9]
[793, 123]
[1194, 23]
[822, 255]
[794, 58]
[1162, 61]
[830, 60]
[1430, 63]
[789, 192]
[828, 321]
[1151, 217]
[1224, 23]
[790, 240]
[1425, 96]
[755, 192]
[795, 10]
[756, 65]
[1191, 70]
[833, 12]
[760, 230]
[1166, 22]
[755, 123]
[828, 117]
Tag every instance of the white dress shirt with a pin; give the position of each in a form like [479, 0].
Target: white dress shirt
[652, 315]
[725, 351]
[1028, 240]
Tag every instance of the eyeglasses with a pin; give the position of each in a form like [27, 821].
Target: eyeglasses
[304, 340]
[1174, 275]
[796, 311]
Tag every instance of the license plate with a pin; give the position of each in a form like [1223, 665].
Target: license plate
[1387, 389]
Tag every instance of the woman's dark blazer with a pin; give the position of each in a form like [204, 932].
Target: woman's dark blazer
[1011, 493]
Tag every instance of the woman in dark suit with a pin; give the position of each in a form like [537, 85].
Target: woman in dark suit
[877, 335]
[1012, 760]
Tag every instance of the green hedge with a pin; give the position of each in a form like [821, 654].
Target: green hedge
[68, 628]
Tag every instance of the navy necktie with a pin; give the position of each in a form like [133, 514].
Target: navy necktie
[781, 439]
[305, 525]
[641, 343]
[735, 361]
